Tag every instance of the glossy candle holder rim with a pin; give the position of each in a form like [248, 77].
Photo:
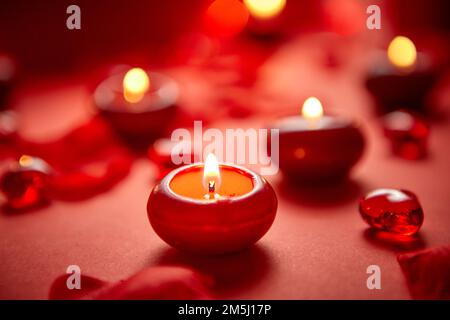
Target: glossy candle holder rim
[326, 122]
[257, 183]
[166, 94]
[383, 65]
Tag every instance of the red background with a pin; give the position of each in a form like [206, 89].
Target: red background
[318, 247]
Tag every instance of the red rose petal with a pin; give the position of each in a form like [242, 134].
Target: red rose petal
[87, 161]
[155, 283]
[59, 290]
[92, 178]
[427, 272]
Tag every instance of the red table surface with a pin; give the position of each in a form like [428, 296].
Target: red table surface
[317, 248]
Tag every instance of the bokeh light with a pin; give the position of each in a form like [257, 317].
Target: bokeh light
[225, 18]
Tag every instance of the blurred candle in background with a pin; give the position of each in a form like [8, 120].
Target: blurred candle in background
[402, 77]
[138, 104]
[317, 148]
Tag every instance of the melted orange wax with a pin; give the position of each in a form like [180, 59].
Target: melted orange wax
[189, 183]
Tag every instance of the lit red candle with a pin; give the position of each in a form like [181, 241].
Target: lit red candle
[315, 148]
[138, 104]
[401, 77]
[212, 208]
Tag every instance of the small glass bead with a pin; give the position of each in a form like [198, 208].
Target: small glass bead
[25, 184]
[392, 210]
[407, 133]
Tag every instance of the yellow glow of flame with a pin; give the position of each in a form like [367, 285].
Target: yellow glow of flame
[211, 172]
[312, 108]
[135, 84]
[25, 160]
[402, 52]
[265, 9]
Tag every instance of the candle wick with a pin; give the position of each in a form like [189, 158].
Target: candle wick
[211, 186]
[211, 191]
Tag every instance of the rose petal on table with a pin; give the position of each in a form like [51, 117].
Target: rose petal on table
[154, 283]
[60, 291]
[91, 178]
[427, 272]
[87, 161]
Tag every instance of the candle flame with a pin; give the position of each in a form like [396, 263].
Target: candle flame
[135, 84]
[312, 108]
[211, 174]
[265, 9]
[25, 160]
[402, 52]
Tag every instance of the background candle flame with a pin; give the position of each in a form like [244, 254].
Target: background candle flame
[211, 172]
[225, 18]
[402, 52]
[135, 84]
[265, 9]
[25, 160]
[312, 108]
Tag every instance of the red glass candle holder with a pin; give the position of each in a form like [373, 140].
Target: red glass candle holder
[239, 217]
[393, 88]
[407, 133]
[146, 119]
[319, 153]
